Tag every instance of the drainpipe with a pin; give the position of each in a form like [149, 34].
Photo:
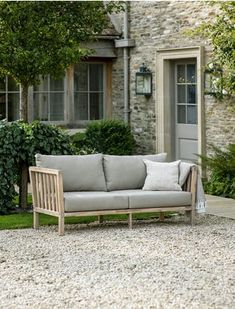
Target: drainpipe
[126, 67]
[126, 43]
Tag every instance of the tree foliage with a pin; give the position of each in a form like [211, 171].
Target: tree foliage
[43, 37]
[221, 33]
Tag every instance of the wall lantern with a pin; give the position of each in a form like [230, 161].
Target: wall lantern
[213, 80]
[143, 81]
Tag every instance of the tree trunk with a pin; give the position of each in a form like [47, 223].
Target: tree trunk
[23, 190]
[24, 103]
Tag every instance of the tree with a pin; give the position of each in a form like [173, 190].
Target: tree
[221, 33]
[43, 37]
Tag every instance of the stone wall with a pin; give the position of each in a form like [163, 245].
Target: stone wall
[155, 25]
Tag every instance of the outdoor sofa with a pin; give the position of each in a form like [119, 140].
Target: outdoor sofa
[98, 184]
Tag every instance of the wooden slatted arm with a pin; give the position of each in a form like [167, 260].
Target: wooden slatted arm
[47, 189]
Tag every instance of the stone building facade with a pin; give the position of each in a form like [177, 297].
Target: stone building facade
[158, 28]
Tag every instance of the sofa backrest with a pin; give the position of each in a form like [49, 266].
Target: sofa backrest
[127, 172]
[80, 173]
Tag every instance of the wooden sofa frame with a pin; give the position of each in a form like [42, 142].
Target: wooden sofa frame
[47, 193]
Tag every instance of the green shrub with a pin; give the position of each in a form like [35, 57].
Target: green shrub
[110, 137]
[80, 144]
[12, 139]
[221, 167]
[19, 142]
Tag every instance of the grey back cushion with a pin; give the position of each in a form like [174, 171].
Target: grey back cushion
[80, 173]
[127, 172]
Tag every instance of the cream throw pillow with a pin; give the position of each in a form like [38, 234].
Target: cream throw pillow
[162, 176]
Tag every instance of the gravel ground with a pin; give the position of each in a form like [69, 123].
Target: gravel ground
[155, 265]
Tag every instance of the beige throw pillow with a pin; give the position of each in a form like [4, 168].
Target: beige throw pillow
[162, 176]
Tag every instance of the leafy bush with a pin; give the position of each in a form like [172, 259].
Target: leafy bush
[80, 144]
[110, 137]
[221, 167]
[46, 139]
[12, 137]
[19, 142]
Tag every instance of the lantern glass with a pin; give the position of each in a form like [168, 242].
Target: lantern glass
[144, 83]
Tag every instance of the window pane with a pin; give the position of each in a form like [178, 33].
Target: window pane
[81, 77]
[181, 73]
[191, 73]
[41, 106]
[181, 94]
[80, 106]
[43, 85]
[96, 77]
[2, 106]
[13, 106]
[56, 84]
[181, 114]
[56, 106]
[96, 106]
[192, 114]
[12, 86]
[3, 84]
[191, 93]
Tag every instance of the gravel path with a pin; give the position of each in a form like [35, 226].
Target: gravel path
[155, 265]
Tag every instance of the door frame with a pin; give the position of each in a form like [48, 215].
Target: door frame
[164, 58]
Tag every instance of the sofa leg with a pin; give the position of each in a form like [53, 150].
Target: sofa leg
[35, 220]
[192, 217]
[61, 225]
[100, 219]
[161, 216]
[130, 221]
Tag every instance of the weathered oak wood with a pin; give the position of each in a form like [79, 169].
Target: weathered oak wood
[48, 198]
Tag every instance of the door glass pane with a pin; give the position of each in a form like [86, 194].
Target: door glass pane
[56, 106]
[56, 84]
[80, 106]
[191, 89]
[181, 73]
[96, 77]
[191, 114]
[181, 114]
[3, 84]
[96, 106]
[13, 106]
[12, 85]
[81, 77]
[191, 73]
[2, 106]
[181, 94]
[41, 106]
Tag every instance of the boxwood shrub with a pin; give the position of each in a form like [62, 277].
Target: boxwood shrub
[112, 137]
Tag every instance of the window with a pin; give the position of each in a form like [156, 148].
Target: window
[186, 93]
[88, 91]
[49, 100]
[74, 100]
[9, 99]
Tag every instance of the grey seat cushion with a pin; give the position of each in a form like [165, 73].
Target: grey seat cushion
[80, 173]
[88, 201]
[127, 172]
[151, 199]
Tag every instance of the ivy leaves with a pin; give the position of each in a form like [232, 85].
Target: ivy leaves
[19, 142]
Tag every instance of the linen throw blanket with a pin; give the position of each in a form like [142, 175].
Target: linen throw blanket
[200, 196]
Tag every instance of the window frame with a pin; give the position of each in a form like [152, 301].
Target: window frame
[69, 120]
[7, 92]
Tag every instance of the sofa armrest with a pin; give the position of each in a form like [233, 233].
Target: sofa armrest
[47, 189]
